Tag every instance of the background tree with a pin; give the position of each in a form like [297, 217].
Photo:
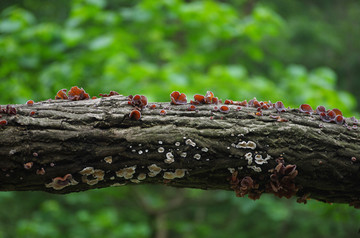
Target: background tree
[239, 49]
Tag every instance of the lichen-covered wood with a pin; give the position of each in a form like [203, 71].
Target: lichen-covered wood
[62, 146]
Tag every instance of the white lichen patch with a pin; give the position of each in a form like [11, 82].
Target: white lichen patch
[141, 176]
[161, 149]
[179, 173]
[108, 159]
[177, 143]
[160, 142]
[183, 154]
[231, 170]
[59, 183]
[96, 175]
[246, 145]
[126, 173]
[255, 168]
[204, 149]
[154, 170]
[135, 180]
[87, 171]
[169, 158]
[117, 184]
[260, 160]
[140, 152]
[197, 156]
[249, 158]
[190, 142]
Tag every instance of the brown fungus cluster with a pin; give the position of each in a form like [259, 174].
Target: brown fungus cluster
[245, 186]
[112, 93]
[282, 180]
[75, 94]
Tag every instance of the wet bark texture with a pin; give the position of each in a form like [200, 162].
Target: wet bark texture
[64, 137]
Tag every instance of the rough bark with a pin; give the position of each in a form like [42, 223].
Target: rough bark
[64, 137]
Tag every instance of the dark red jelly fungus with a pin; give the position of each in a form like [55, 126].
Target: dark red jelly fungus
[178, 98]
[162, 112]
[3, 123]
[279, 106]
[339, 119]
[238, 108]
[209, 97]
[320, 109]
[199, 99]
[353, 159]
[331, 114]
[306, 108]
[135, 115]
[227, 101]
[152, 106]
[32, 113]
[191, 108]
[257, 103]
[215, 100]
[337, 112]
[282, 180]
[93, 97]
[325, 117]
[282, 120]
[224, 109]
[243, 103]
[61, 94]
[28, 165]
[259, 113]
[138, 101]
[76, 94]
[10, 110]
[112, 93]
[30, 103]
[265, 106]
[215, 109]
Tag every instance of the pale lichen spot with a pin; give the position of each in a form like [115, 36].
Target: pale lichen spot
[177, 143]
[154, 170]
[140, 152]
[160, 142]
[169, 158]
[183, 154]
[161, 149]
[127, 173]
[190, 142]
[197, 156]
[135, 180]
[87, 171]
[117, 184]
[108, 159]
[141, 176]
[231, 170]
[204, 149]
[255, 168]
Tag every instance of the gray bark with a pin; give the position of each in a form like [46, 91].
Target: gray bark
[65, 137]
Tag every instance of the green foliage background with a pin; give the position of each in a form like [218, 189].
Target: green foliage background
[293, 51]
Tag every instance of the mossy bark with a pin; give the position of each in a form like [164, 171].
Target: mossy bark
[64, 137]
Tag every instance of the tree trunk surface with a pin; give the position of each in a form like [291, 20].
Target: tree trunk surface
[70, 146]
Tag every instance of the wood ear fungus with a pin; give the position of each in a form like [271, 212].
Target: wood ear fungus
[178, 98]
[135, 115]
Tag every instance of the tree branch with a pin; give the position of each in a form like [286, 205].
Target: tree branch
[69, 146]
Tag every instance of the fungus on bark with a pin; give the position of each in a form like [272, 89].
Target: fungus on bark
[135, 115]
[178, 98]
[59, 183]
